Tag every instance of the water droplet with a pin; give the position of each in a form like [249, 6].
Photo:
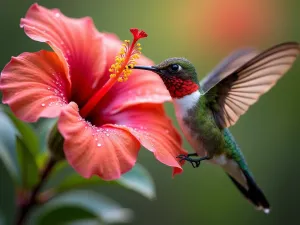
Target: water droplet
[99, 145]
[107, 135]
[43, 104]
[22, 25]
[57, 15]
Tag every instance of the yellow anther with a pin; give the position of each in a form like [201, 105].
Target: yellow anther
[128, 54]
[135, 56]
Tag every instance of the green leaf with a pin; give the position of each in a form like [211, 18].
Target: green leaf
[139, 180]
[84, 222]
[8, 145]
[29, 168]
[65, 178]
[86, 204]
[43, 128]
[7, 196]
[9, 163]
[26, 131]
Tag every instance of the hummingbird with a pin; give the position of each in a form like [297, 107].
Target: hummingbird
[206, 109]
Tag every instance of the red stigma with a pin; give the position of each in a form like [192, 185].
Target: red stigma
[138, 34]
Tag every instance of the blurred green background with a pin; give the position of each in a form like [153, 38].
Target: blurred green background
[204, 32]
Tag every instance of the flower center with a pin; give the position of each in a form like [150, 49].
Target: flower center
[120, 70]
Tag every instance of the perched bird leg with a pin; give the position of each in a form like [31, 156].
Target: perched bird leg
[195, 162]
[188, 155]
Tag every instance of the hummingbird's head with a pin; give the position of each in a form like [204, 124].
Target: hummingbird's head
[178, 74]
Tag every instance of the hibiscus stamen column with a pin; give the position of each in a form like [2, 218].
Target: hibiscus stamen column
[120, 71]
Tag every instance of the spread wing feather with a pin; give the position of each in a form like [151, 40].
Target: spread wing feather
[243, 77]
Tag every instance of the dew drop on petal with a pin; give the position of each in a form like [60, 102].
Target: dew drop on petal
[107, 135]
[57, 14]
[99, 145]
[43, 104]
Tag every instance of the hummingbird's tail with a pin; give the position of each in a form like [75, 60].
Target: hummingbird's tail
[247, 186]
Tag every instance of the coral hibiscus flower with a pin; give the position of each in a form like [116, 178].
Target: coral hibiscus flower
[103, 121]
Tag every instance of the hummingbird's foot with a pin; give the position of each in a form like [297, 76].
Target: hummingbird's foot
[183, 157]
[188, 155]
[195, 162]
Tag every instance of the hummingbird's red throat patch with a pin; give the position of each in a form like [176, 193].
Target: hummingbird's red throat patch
[179, 88]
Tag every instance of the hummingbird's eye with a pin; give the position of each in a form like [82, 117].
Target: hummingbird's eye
[175, 68]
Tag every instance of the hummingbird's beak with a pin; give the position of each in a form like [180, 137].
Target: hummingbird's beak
[150, 68]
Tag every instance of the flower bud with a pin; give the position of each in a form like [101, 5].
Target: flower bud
[56, 144]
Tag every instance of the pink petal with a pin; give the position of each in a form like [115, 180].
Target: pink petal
[141, 87]
[35, 85]
[149, 124]
[76, 41]
[107, 151]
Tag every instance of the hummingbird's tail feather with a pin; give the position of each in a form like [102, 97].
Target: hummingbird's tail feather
[251, 191]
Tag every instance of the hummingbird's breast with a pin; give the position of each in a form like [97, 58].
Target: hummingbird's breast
[182, 107]
[198, 125]
[191, 136]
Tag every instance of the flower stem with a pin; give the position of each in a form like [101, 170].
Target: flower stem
[32, 199]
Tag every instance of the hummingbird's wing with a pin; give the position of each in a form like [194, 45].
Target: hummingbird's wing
[230, 94]
[226, 67]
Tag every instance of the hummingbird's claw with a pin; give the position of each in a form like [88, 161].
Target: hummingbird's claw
[195, 162]
[182, 156]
